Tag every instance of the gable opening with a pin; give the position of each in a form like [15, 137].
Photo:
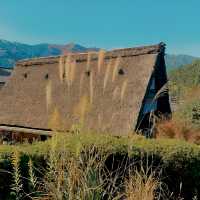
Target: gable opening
[121, 72]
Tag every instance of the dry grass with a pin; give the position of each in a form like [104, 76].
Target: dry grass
[115, 69]
[115, 92]
[33, 179]
[81, 173]
[55, 123]
[106, 76]
[17, 186]
[141, 186]
[48, 94]
[101, 56]
[123, 89]
[91, 88]
[72, 71]
[61, 68]
[82, 108]
[81, 84]
[177, 129]
[67, 69]
[191, 94]
[89, 56]
[84, 176]
[74, 177]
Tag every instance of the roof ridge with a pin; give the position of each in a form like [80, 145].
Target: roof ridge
[121, 52]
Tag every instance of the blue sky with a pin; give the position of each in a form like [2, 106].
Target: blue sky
[104, 23]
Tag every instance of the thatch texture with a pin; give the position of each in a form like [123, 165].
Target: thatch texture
[103, 91]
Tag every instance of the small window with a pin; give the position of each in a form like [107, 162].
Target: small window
[87, 73]
[46, 76]
[25, 75]
[121, 72]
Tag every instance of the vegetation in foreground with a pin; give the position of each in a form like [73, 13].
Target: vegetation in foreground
[184, 88]
[88, 166]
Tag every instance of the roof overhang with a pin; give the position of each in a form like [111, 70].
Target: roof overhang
[25, 130]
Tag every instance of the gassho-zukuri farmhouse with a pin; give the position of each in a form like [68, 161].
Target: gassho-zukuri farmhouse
[109, 92]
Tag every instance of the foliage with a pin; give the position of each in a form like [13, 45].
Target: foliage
[184, 78]
[100, 165]
[184, 87]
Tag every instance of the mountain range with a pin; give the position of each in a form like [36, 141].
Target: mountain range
[176, 61]
[10, 52]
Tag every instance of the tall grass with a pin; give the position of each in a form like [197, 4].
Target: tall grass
[91, 172]
[115, 92]
[89, 57]
[142, 186]
[61, 68]
[33, 179]
[82, 108]
[48, 94]
[106, 76]
[177, 129]
[67, 69]
[17, 186]
[55, 122]
[123, 89]
[82, 165]
[84, 175]
[115, 69]
[81, 84]
[101, 56]
[72, 71]
[91, 88]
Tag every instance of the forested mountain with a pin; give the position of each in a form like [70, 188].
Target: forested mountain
[184, 87]
[185, 77]
[176, 61]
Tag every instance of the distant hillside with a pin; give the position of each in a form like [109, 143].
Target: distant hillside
[175, 61]
[10, 52]
[185, 81]
[187, 75]
[184, 85]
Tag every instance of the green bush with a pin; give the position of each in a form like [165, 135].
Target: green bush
[179, 161]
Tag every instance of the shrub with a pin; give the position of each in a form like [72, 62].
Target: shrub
[92, 166]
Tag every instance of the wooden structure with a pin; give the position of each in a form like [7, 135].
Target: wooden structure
[108, 92]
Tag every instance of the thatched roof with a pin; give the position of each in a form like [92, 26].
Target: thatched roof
[104, 91]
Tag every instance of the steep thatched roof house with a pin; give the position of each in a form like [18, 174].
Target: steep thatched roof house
[110, 91]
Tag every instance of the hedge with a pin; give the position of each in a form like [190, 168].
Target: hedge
[179, 160]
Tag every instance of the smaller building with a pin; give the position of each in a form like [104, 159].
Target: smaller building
[4, 75]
